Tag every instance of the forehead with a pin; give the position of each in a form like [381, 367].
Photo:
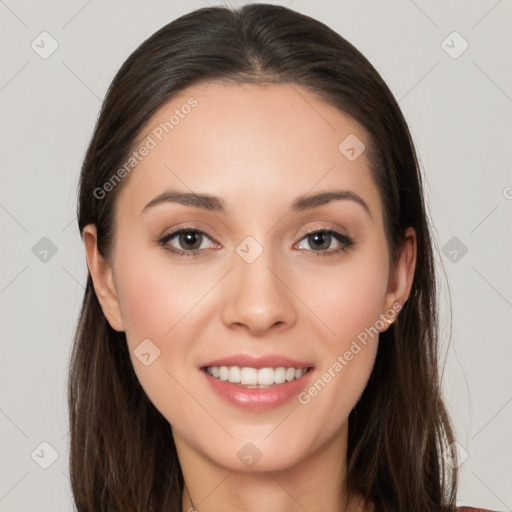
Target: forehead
[248, 141]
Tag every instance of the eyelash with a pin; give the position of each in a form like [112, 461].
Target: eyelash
[345, 241]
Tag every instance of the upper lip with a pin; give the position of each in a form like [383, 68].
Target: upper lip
[268, 361]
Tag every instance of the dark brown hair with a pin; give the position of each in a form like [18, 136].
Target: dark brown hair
[122, 454]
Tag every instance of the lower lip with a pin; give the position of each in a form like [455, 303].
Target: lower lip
[256, 398]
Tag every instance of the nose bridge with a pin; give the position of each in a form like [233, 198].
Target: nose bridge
[256, 297]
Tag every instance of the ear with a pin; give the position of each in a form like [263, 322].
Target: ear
[102, 277]
[400, 278]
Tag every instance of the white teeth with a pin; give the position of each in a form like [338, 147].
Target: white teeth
[234, 374]
[290, 374]
[253, 377]
[279, 375]
[249, 376]
[265, 376]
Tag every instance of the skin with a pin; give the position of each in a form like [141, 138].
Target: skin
[257, 147]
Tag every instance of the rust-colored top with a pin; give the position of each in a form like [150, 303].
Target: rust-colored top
[471, 509]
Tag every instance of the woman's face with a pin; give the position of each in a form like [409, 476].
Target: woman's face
[259, 284]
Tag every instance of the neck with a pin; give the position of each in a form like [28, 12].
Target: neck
[314, 484]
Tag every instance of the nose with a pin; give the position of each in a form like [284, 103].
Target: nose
[257, 298]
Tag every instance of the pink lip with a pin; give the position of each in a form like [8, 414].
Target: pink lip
[269, 361]
[257, 399]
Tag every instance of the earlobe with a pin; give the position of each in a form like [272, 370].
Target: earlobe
[101, 274]
[401, 277]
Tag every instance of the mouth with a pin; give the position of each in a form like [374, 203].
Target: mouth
[257, 383]
[256, 378]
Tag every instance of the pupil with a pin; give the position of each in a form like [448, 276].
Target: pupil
[190, 238]
[318, 237]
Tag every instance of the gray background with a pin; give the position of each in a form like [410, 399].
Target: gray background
[458, 110]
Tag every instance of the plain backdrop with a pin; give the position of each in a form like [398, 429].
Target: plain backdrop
[455, 90]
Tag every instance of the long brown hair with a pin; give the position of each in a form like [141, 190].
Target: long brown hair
[122, 454]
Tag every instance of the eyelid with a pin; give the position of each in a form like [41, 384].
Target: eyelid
[316, 229]
[189, 226]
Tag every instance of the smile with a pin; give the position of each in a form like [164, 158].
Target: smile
[255, 378]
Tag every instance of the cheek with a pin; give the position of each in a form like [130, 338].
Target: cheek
[154, 301]
[350, 307]
[349, 302]
[154, 294]
[163, 302]
[348, 299]
[144, 295]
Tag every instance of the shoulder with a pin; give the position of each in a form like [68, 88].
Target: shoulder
[471, 509]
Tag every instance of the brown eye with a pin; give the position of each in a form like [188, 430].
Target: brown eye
[186, 241]
[320, 241]
[190, 240]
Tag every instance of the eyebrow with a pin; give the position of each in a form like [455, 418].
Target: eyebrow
[213, 203]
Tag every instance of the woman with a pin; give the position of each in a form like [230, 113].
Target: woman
[259, 326]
